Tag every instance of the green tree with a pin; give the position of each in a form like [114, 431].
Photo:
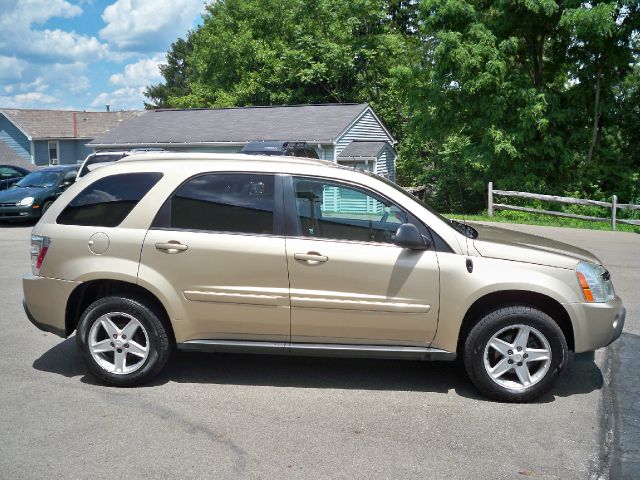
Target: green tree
[520, 92]
[267, 52]
[176, 72]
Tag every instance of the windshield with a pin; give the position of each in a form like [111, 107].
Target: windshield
[40, 179]
[465, 230]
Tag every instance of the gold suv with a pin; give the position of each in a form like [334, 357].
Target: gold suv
[300, 256]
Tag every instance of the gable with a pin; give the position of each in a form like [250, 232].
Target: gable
[365, 127]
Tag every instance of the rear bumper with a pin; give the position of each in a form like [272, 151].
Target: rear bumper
[45, 302]
[42, 326]
[596, 325]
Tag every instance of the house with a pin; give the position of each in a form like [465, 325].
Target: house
[51, 137]
[349, 134]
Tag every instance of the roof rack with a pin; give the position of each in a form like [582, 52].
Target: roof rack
[225, 157]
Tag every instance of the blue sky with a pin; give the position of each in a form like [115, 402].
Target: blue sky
[83, 54]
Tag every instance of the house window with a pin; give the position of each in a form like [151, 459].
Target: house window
[53, 152]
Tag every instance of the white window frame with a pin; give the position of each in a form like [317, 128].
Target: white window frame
[57, 160]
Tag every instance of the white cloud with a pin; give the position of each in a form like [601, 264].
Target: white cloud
[148, 25]
[11, 68]
[18, 37]
[126, 98]
[29, 100]
[143, 72]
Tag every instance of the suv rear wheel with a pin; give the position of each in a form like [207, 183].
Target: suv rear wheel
[515, 354]
[122, 341]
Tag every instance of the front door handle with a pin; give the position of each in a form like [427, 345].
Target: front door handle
[312, 258]
[171, 246]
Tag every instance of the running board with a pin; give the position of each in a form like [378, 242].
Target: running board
[318, 349]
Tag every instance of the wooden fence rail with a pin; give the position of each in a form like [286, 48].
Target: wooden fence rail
[613, 205]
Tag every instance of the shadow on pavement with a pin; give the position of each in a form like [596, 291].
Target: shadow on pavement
[18, 224]
[316, 372]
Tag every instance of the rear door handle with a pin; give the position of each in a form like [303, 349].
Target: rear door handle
[310, 257]
[171, 247]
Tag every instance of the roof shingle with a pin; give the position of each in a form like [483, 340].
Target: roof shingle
[8, 156]
[310, 123]
[54, 124]
[359, 148]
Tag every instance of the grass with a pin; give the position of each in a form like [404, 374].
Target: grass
[527, 218]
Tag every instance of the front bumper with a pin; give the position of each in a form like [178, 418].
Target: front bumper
[596, 325]
[19, 213]
[45, 302]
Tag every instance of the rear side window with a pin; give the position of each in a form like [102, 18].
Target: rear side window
[222, 202]
[107, 202]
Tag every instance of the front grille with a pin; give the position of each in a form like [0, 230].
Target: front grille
[12, 204]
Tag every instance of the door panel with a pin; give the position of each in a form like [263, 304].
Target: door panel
[349, 282]
[215, 245]
[231, 286]
[363, 293]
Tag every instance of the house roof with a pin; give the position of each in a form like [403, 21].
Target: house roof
[307, 123]
[359, 148]
[59, 124]
[8, 156]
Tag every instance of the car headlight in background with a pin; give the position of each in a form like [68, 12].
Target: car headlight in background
[26, 202]
[595, 282]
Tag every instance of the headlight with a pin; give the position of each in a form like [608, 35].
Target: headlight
[595, 282]
[26, 202]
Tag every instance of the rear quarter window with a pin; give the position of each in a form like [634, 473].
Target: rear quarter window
[108, 201]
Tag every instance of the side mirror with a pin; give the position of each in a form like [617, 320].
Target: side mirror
[66, 184]
[408, 236]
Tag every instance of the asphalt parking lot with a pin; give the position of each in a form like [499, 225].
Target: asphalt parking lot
[229, 416]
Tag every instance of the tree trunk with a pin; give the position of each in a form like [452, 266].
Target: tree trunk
[596, 119]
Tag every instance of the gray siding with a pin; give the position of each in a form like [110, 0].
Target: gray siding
[82, 151]
[41, 152]
[13, 137]
[67, 152]
[386, 164]
[366, 128]
[327, 153]
[70, 152]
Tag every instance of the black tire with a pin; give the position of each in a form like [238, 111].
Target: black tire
[505, 320]
[156, 339]
[46, 206]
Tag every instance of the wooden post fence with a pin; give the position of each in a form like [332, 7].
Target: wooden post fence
[613, 205]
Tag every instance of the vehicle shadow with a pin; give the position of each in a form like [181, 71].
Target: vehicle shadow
[18, 224]
[316, 372]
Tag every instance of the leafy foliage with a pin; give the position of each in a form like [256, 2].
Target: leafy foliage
[537, 95]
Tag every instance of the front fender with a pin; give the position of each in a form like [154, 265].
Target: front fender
[460, 289]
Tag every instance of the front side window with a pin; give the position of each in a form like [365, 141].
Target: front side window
[223, 202]
[332, 210]
[108, 201]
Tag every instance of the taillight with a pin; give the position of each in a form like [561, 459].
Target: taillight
[39, 248]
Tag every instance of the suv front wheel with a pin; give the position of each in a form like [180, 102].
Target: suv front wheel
[515, 354]
[122, 341]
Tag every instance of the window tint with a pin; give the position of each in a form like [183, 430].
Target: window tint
[70, 176]
[238, 202]
[8, 172]
[107, 202]
[331, 210]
